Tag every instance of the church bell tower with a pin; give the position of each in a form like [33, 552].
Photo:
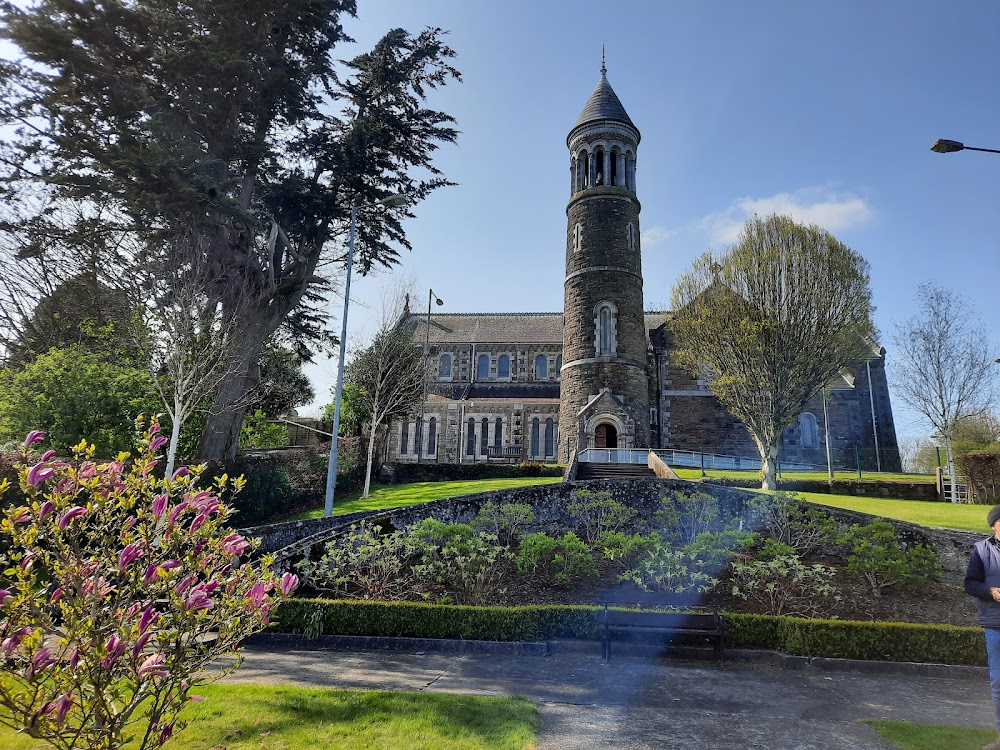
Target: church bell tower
[604, 399]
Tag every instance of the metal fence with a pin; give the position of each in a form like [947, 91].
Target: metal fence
[683, 458]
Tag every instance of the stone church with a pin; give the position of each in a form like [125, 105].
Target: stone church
[537, 386]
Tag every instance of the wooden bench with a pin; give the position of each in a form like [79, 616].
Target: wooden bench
[504, 452]
[667, 614]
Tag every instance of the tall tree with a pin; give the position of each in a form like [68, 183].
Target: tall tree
[772, 321]
[227, 124]
[945, 365]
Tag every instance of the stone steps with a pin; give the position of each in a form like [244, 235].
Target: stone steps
[591, 470]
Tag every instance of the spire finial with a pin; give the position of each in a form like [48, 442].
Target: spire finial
[604, 69]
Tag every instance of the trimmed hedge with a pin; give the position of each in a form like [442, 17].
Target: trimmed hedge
[409, 473]
[939, 644]
[861, 488]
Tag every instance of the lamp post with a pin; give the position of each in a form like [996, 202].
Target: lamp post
[331, 469]
[423, 399]
[944, 146]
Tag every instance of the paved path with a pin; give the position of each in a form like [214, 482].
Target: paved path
[645, 703]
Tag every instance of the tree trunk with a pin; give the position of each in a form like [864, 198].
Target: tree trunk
[220, 436]
[371, 458]
[769, 464]
[175, 434]
[953, 480]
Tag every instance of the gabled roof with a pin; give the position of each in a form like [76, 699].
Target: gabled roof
[604, 104]
[489, 328]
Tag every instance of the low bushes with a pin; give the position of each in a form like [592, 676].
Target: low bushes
[864, 488]
[942, 644]
[409, 473]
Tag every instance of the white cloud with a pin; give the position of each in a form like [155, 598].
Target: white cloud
[655, 235]
[832, 211]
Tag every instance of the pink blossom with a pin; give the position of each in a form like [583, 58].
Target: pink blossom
[148, 618]
[41, 661]
[115, 648]
[150, 465]
[185, 583]
[183, 471]
[288, 583]
[196, 698]
[39, 473]
[56, 595]
[61, 706]
[10, 644]
[157, 443]
[102, 588]
[257, 594]
[155, 571]
[141, 644]
[27, 560]
[197, 599]
[198, 522]
[153, 666]
[74, 658]
[87, 470]
[34, 436]
[48, 455]
[159, 505]
[129, 555]
[129, 525]
[69, 515]
[166, 732]
[4, 596]
[178, 509]
[23, 516]
[47, 507]
[234, 544]
[153, 429]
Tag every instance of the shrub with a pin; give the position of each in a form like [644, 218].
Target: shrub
[505, 521]
[715, 548]
[982, 469]
[113, 579]
[470, 567]
[877, 555]
[622, 547]
[363, 564]
[785, 585]
[663, 568]
[793, 522]
[559, 560]
[258, 432]
[683, 517]
[598, 512]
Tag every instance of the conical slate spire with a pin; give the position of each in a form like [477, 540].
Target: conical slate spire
[604, 104]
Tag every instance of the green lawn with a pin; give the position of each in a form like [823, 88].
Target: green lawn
[398, 495]
[820, 475]
[924, 512]
[908, 736]
[240, 717]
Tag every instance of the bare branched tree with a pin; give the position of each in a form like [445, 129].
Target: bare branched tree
[771, 322]
[945, 365]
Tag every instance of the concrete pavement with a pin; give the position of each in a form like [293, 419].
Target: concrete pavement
[641, 703]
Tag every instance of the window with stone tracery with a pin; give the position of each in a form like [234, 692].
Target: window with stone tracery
[606, 319]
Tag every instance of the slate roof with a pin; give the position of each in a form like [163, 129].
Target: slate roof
[604, 104]
[489, 328]
[519, 391]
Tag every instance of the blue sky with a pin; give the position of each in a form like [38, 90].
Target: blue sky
[822, 110]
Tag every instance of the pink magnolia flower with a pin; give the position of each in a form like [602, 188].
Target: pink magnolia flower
[39, 473]
[5, 596]
[166, 732]
[257, 594]
[69, 515]
[115, 648]
[234, 544]
[159, 505]
[129, 555]
[198, 522]
[197, 599]
[87, 470]
[157, 443]
[196, 698]
[155, 571]
[23, 516]
[56, 595]
[41, 661]
[185, 583]
[178, 509]
[35, 436]
[153, 429]
[74, 658]
[153, 666]
[48, 455]
[183, 471]
[149, 616]
[288, 583]
[150, 465]
[28, 560]
[61, 706]
[47, 507]
[141, 644]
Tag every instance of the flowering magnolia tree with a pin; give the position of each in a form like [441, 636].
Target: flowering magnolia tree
[116, 590]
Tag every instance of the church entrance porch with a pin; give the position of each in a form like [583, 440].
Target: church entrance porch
[605, 436]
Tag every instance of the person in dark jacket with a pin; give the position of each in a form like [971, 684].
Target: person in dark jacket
[982, 580]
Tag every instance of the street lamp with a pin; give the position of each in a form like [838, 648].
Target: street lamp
[331, 469]
[423, 400]
[944, 146]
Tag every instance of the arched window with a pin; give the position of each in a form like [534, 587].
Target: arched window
[432, 437]
[629, 171]
[558, 367]
[498, 433]
[404, 439]
[614, 167]
[418, 440]
[809, 430]
[599, 176]
[606, 343]
[550, 438]
[484, 437]
[503, 366]
[583, 170]
[483, 367]
[541, 367]
[470, 438]
[534, 438]
[444, 367]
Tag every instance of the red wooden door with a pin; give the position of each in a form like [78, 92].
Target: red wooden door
[601, 436]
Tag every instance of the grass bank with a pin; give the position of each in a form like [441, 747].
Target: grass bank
[398, 495]
[240, 717]
[909, 736]
[957, 516]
